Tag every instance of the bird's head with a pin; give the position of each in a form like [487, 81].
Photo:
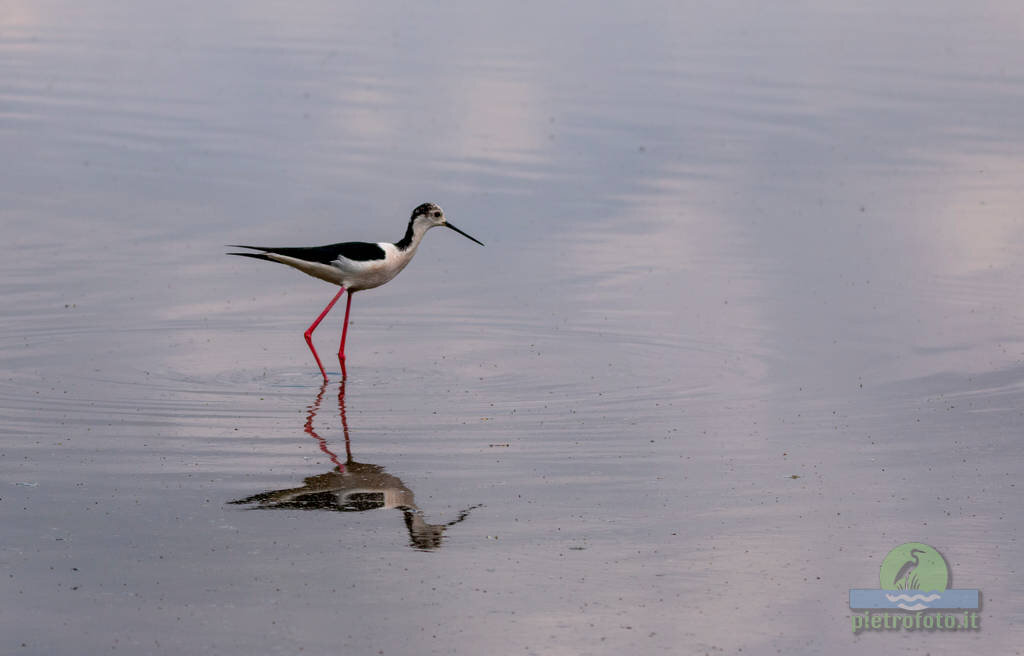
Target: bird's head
[429, 215]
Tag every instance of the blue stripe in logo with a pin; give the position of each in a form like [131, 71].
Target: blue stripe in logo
[913, 600]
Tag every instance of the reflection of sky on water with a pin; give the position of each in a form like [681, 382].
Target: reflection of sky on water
[846, 184]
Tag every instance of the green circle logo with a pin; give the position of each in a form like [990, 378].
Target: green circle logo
[914, 566]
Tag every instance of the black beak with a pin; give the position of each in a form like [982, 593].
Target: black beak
[448, 225]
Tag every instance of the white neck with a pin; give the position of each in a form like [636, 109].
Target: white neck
[414, 236]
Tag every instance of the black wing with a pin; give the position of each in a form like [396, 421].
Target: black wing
[358, 251]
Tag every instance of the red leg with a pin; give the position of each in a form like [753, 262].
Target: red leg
[344, 333]
[309, 331]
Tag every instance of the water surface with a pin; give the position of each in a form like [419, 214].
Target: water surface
[748, 317]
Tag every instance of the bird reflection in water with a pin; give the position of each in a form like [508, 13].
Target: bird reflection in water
[354, 487]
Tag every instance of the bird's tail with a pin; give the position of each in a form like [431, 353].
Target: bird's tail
[258, 256]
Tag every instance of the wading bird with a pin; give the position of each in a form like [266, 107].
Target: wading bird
[355, 265]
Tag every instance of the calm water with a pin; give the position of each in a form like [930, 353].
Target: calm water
[748, 317]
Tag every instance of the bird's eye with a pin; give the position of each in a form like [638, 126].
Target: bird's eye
[437, 215]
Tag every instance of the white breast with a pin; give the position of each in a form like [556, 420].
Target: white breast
[356, 276]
